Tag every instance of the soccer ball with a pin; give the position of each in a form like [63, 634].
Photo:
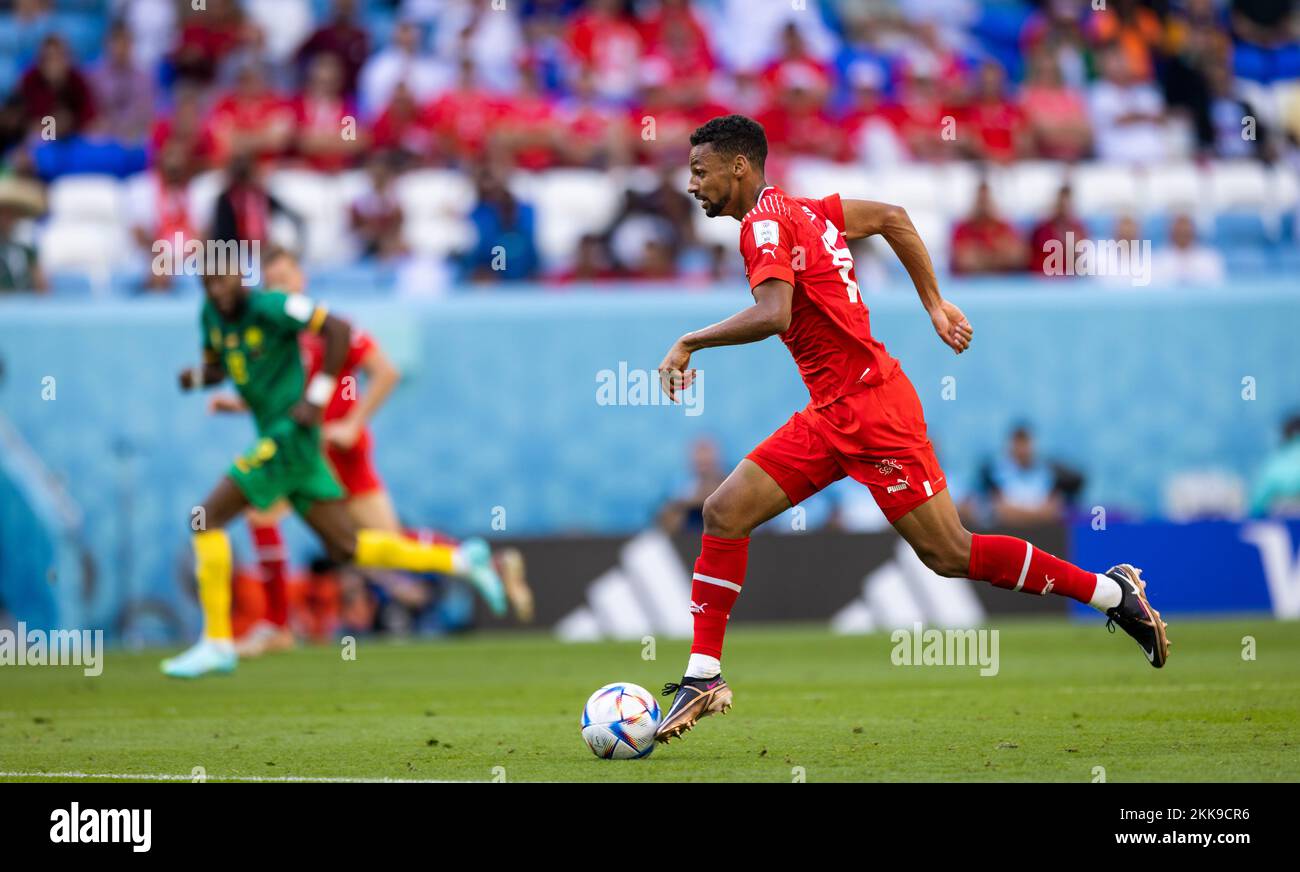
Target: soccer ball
[619, 721]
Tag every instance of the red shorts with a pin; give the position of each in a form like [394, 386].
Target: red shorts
[875, 435]
[355, 468]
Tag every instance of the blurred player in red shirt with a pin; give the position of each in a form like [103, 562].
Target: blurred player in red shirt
[349, 447]
[864, 419]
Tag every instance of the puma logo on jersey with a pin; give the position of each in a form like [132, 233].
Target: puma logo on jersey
[697, 609]
[895, 488]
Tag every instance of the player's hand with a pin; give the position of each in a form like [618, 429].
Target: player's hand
[342, 433]
[952, 326]
[219, 403]
[675, 373]
[305, 414]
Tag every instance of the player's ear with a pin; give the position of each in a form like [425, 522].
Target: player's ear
[740, 166]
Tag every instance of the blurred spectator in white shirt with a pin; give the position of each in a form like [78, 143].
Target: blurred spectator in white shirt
[123, 91]
[485, 31]
[1184, 260]
[1127, 114]
[404, 62]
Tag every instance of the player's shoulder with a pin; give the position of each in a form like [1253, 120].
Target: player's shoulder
[773, 204]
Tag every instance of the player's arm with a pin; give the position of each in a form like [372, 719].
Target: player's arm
[769, 315]
[863, 218]
[381, 377]
[210, 372]
[337, 335]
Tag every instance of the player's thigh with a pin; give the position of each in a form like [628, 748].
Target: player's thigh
[374, 511]
[937, 535]
[747, 498]
[221, 507]
[332, 522]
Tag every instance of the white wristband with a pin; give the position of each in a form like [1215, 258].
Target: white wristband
[321, 389]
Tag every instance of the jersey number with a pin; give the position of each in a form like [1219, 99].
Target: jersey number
[843, 259]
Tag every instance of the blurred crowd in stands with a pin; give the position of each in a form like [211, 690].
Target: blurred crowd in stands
[177, 88]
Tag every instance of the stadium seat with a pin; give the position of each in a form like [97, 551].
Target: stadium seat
[1032, 187]
[1238, 185]
[1178, 187]
[1105, 188]
[432, 193]
[86, 198]
[91, 248]
[204, 190]
[312, 195]
[568, 204]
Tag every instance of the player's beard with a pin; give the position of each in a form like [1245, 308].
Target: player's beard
[712, 208]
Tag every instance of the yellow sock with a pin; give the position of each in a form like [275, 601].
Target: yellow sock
[380, 549]
[212, 567]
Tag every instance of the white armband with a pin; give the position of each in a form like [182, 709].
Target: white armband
[321, 389]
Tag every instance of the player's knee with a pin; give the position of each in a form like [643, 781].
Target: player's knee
[723, 517]
[343, 549]
[948, 556]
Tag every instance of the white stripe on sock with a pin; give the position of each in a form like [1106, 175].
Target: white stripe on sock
[1024, 570]
[720, 582]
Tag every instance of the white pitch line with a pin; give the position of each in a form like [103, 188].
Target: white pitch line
[168, 776]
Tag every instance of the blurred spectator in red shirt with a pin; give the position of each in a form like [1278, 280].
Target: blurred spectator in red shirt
[1059, 230]
[925, 122]
[1056, 114]
[870, 135]
[672, 30]
[326, 126]
[207, 37]
[603, 38]
[524, 129]
[406, 128]
[123, 92]
[462, 118]
[251, 119]
[796, 66]
[797, 122]
[997, 129]
[591, 263]
[185, 128]
[376, 216]
[595, 131]
[984, 243]
[159, 207]
[344, 39]
[54, 89]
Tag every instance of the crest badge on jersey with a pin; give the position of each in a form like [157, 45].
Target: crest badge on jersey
[766, 232]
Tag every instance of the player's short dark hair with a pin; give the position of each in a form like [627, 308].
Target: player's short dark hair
[275, 252]
[731, 135]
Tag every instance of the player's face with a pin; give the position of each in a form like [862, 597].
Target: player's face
[283, 274]
[712, 181]
[226, 292]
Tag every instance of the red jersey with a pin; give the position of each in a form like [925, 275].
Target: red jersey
[313, 357]
[801, 241]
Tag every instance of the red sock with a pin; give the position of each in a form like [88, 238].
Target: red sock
[270, 556]
[1017, 565]
[719, 573]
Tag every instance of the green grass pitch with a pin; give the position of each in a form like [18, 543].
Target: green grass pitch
[1068, 698]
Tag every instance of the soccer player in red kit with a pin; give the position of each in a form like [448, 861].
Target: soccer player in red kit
[864, 419]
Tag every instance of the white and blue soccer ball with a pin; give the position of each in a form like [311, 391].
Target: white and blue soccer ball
[619, 721]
